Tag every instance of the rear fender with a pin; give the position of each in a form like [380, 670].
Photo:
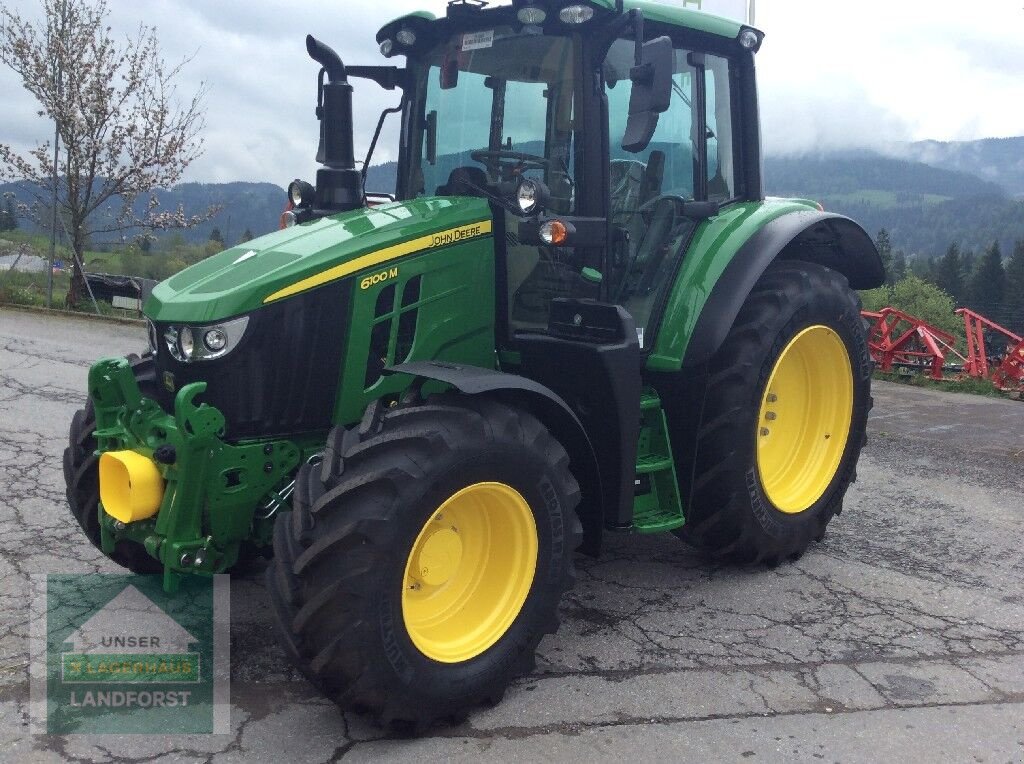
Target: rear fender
[730, 252]
[549, 408]
[824, 238]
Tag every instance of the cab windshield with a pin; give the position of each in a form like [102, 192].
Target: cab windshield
[497, 104]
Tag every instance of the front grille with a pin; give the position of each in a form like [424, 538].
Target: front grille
[282, 379]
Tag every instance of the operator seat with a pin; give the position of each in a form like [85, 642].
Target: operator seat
[626, 180]
[461, 181]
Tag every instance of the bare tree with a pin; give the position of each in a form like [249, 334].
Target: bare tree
[123, 128]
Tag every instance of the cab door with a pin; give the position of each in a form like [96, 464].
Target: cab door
[690, 158]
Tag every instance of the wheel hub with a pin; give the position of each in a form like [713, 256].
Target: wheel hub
[439, 557]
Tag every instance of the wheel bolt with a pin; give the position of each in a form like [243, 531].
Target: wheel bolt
[764, 431]
[770, 415]
[772, 397]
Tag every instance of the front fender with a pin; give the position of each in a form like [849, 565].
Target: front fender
[731, 252]
[549, 407]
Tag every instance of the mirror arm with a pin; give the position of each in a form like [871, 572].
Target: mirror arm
[638, 35]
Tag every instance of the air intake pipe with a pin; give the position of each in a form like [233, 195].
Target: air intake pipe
[339, 186]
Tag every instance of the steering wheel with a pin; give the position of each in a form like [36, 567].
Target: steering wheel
[648, 207]
[508, 161]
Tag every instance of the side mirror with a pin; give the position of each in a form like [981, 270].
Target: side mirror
[651, 94]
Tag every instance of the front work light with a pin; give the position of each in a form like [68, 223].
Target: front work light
[531, 196]
[749, 39]
[301, 193]
[531, 15]
[576, 14]
[386, 47]
[406, 37]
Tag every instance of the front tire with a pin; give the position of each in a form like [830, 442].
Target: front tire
[784, 418]
[425, 558]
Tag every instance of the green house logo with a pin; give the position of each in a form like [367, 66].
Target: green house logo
[131, 641]
[116, 654]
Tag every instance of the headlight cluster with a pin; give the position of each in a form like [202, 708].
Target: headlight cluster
[204, 343]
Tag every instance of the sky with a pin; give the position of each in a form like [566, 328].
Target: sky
[832, 73]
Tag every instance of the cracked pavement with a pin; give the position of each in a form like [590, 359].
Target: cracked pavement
[900, 635]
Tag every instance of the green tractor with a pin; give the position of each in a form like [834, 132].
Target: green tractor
[577, 315]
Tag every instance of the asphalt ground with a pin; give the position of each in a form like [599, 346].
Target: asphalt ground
[900, 636]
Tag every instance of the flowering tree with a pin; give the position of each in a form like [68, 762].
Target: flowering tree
[123, 130]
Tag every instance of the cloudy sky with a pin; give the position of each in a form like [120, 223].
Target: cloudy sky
[835, 73]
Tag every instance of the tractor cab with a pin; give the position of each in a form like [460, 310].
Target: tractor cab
[601, 134]
[604, 133]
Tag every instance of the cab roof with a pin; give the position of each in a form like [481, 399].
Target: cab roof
[673, 15]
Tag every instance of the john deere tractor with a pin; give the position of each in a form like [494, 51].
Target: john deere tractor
[577, 314]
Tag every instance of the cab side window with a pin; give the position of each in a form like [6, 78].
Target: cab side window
[721, 170]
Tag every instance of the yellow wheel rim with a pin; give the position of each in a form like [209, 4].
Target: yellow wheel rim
[469, 572]
[804, 420]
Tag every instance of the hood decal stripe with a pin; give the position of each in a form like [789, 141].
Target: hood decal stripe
[430, 241]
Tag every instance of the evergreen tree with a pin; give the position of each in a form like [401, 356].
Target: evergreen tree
[899, 266]
[246, 236]
[1014, 299]
[921, 267]
[948, 273]
[217, 236]
[884, 245]
[988, 283]
[968, 260]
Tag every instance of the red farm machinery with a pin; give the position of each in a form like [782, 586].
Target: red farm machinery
[900, 342]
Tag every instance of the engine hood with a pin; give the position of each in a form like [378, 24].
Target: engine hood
[275, 266]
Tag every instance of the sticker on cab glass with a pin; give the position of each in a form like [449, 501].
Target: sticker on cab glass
[477, 40]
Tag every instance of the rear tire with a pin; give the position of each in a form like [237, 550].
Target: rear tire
[340, 579]
[738, 511]
[81, 475]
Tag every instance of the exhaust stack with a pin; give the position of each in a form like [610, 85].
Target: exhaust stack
[339, 186]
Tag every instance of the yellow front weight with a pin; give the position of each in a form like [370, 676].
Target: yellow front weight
[131, 487]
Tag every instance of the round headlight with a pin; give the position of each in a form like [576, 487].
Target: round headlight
[576, 14]
[531, 15]
[749, 39]
[406, 37]
[288, 219]
[215, 340]
[186, 342]
[386, 47]
[527, 196]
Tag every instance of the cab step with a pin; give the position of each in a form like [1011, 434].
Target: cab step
[656, 504]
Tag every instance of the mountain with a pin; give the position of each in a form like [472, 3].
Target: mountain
[924, 208]
[999, 160]
[255, 207]
[924, 205]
